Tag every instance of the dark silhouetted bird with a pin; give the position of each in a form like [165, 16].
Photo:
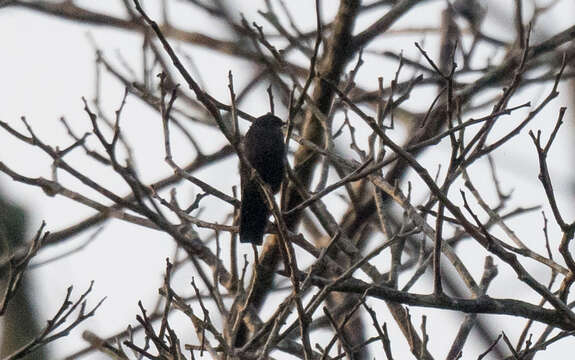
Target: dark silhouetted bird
[263, 147]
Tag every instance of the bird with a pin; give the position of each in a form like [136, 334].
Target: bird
[263, 146]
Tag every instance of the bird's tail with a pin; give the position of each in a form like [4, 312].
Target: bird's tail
[254, 215]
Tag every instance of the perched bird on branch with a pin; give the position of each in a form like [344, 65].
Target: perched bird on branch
[263, 147]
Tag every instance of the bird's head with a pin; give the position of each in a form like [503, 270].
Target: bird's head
[269, 121]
